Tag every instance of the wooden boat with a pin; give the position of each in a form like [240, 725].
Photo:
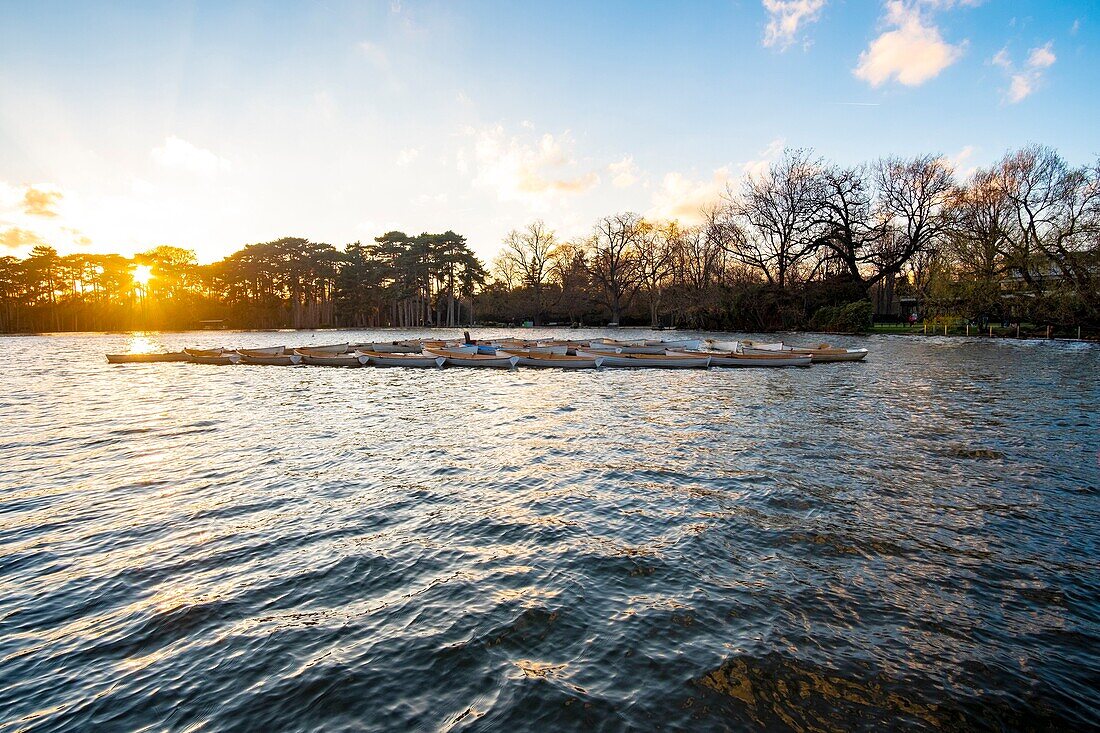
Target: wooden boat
[533, 358]
[223, 358]
[271, 359]
[655, 361]
[333, 360]
[204, 352]
[821, 354]
[550, 348]
[385, 347]
[386, 359]
[462, 358]
[146, 358]
[739, 359]
[598, 343]
[322, 350]
[266, 351]
[685, 344]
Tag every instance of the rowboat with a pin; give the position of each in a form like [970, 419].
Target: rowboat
[458, 348]
[822, 353]
[534, 358]
[271, 359]
[385, 359]
[462, 358]
[326, 349]
[659, 361]
[222, 358]
[551, 348]
[334, 360]
[600, 343]
[204, 352]
[385, 347]
[146, 358]
[686, 344]
[738, 359]
[266, 351]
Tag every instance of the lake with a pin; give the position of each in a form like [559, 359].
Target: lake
[910, 541]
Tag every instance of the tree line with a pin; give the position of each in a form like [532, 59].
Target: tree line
[813, 244]
[805, 244]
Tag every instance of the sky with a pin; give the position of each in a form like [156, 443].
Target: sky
[211, 125]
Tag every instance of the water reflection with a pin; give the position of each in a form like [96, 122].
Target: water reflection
[907, 542]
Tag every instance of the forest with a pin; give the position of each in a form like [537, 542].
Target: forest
[808, 244]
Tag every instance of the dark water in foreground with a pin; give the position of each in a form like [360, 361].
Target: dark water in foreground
[911, 541]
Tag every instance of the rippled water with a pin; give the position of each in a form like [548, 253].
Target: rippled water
[907, 541]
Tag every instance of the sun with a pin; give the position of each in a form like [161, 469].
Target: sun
[143, 274]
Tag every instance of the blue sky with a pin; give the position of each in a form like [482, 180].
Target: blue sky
[211, 125]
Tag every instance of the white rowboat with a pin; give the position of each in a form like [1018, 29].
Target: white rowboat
[534, 358]
[462, 358]
[335, 360]
[326, 349]
[223, 359]
[387, 359]
[138, 358]
[271, 359]
[737, 359]
[662, 361]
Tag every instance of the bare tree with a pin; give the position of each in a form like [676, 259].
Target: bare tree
[655, 262]
[613, 261]
[911, 209]
[569, 271]
[530, 253]
[769, 226]
[981, 216]
[1056, 220]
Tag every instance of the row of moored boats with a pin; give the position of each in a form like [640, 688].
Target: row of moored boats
[510, 353]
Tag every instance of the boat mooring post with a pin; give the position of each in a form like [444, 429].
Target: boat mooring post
[1078, 333]
[945, 328]
[1048, 332]
[990, 330]
[968, 328]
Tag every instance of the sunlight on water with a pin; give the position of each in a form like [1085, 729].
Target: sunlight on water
[905, 542]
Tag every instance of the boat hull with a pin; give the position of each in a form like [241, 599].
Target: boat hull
[268, 351]
[271, 359]
[325, 349]
[647, 361]
[384, 348]
[384, 359]
[819, 356]
[556, 361]
[731, 359]
[221, 360]
[458, 358]
[333, 360]
[146, 358]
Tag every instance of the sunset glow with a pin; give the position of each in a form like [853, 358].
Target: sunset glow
[143, 274]
[343, 121]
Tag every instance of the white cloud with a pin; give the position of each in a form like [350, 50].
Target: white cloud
[1042, 57]
[960, 161]
[534, 172]
[1023, 82]
[624, 173]
[785, 17]
[911, 53]
[683, 198]
[178, 154]
[1075, 27]
[759, 166]
[407, 155]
